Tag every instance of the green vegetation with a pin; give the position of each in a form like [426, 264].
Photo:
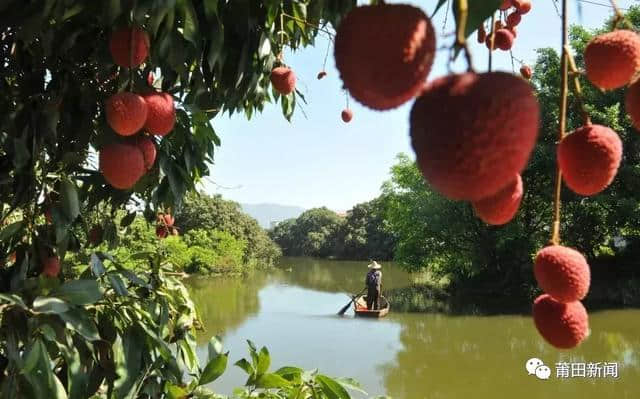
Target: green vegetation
[320, 232]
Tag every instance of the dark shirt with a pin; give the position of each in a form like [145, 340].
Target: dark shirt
[378, 275]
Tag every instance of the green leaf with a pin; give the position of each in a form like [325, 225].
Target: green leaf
[49, 305]
[69, 200]
[13, 299]
[190, 23]
[288, 370]
[350, 383]
[264, 361]
[332, 388]
[210, 8]
[79, 320]
[245, 365]
[214, 369]
[479, 11]
[79, 292]
[438, 6]
[11, 230]
[131, 276]
[127, 220]
[37, 370]
[175, 391]
[97, 268]
[269, 381]
[216, 40]
[117, 284]
[214, 347]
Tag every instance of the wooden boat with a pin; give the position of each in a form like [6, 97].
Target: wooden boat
[360, 307]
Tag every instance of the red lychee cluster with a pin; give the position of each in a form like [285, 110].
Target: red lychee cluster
[51, 266]
[95, 235]
[564, 276]
[503, 35]
[124, 162]
[384, 53]
[473, 133]
[164, 226]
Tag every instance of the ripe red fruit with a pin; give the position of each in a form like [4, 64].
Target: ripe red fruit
[563, 325]
[503, 39]
[611, 59]
[563, 273]
[472, 133]
[513, 31]
[283, 80]
[384, 53]
[150, 79]
[148, 149]
[166, 219]
[321, 75]
[514, 18]
[526, 72]
[51, 266]
[162, 113]
[48, 216]
[501, 207]
[498, 25]
[506, 4]
[162, 231]
[121, 165]
[120, 46]
[482, 34]
[522, 6]
[95, 235]
[126, 113]
[632, 103]
[347, 115]
[589, 158]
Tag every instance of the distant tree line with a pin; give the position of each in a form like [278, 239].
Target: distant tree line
[360, 235]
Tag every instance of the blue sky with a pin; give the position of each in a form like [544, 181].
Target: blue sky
[321, 161]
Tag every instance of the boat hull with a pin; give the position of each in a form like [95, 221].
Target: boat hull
[360, 308]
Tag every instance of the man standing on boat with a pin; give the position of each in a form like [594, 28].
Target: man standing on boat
[373, 282]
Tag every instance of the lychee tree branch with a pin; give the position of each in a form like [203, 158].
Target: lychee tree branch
[577, 89]
[491, 39]
[461, 42]
[564, 88]
[620, 18]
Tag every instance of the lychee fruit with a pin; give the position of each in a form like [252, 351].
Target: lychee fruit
[165, 219]
[148, 149]
[482, 34]
[497, 25]
[121, 164]
[283, 80]
[384, 53]
[126, 113]
[501, 207]
[162, 113]
[120, 46]
[321, 74]
[611, 59]
[563, 325]
[589, 158]
[506, 4]
[162, 231]
[526, 72]
[522, 6]
[503, 39]
[513, 31]
[347, 115]
[48, 217]
[514, 18]
[95, 235]
[563, 273]
[150, 78]
[472, 133]
[51, 266]
[632, 103]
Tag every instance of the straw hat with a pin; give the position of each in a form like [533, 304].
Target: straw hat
[374, 265]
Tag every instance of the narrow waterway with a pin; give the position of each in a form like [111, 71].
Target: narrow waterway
[411, 356]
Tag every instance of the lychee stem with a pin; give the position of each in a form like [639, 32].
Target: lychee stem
[620, 17]
[326, 55]
[491, 39]
[461, 41]
[586, 119]
[131, 44]
[564, 89]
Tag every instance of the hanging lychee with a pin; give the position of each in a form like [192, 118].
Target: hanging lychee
[148, 149]
[162, 113]
[384, 53]
[95, 235]
[563, 325]
[632, 103]
[482, 34]
[321, 74]
[526, 72]
[150, 78]
[514, 19]
[522, 6]
[162, 231]
[589, 158]
[126, 113]
[472, 133]
[51, 266]
[283, 80]
[562, 272]
[165, 219]
[346, 115]
[121, 164]
[501, 207]
[611, 59]
[120, 46]
[503, 39]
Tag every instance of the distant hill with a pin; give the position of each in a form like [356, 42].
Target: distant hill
[265, 214]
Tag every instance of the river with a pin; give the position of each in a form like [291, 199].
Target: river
[411, 356]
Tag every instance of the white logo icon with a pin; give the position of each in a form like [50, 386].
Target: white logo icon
[536, 367]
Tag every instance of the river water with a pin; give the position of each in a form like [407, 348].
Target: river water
[412, 356]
